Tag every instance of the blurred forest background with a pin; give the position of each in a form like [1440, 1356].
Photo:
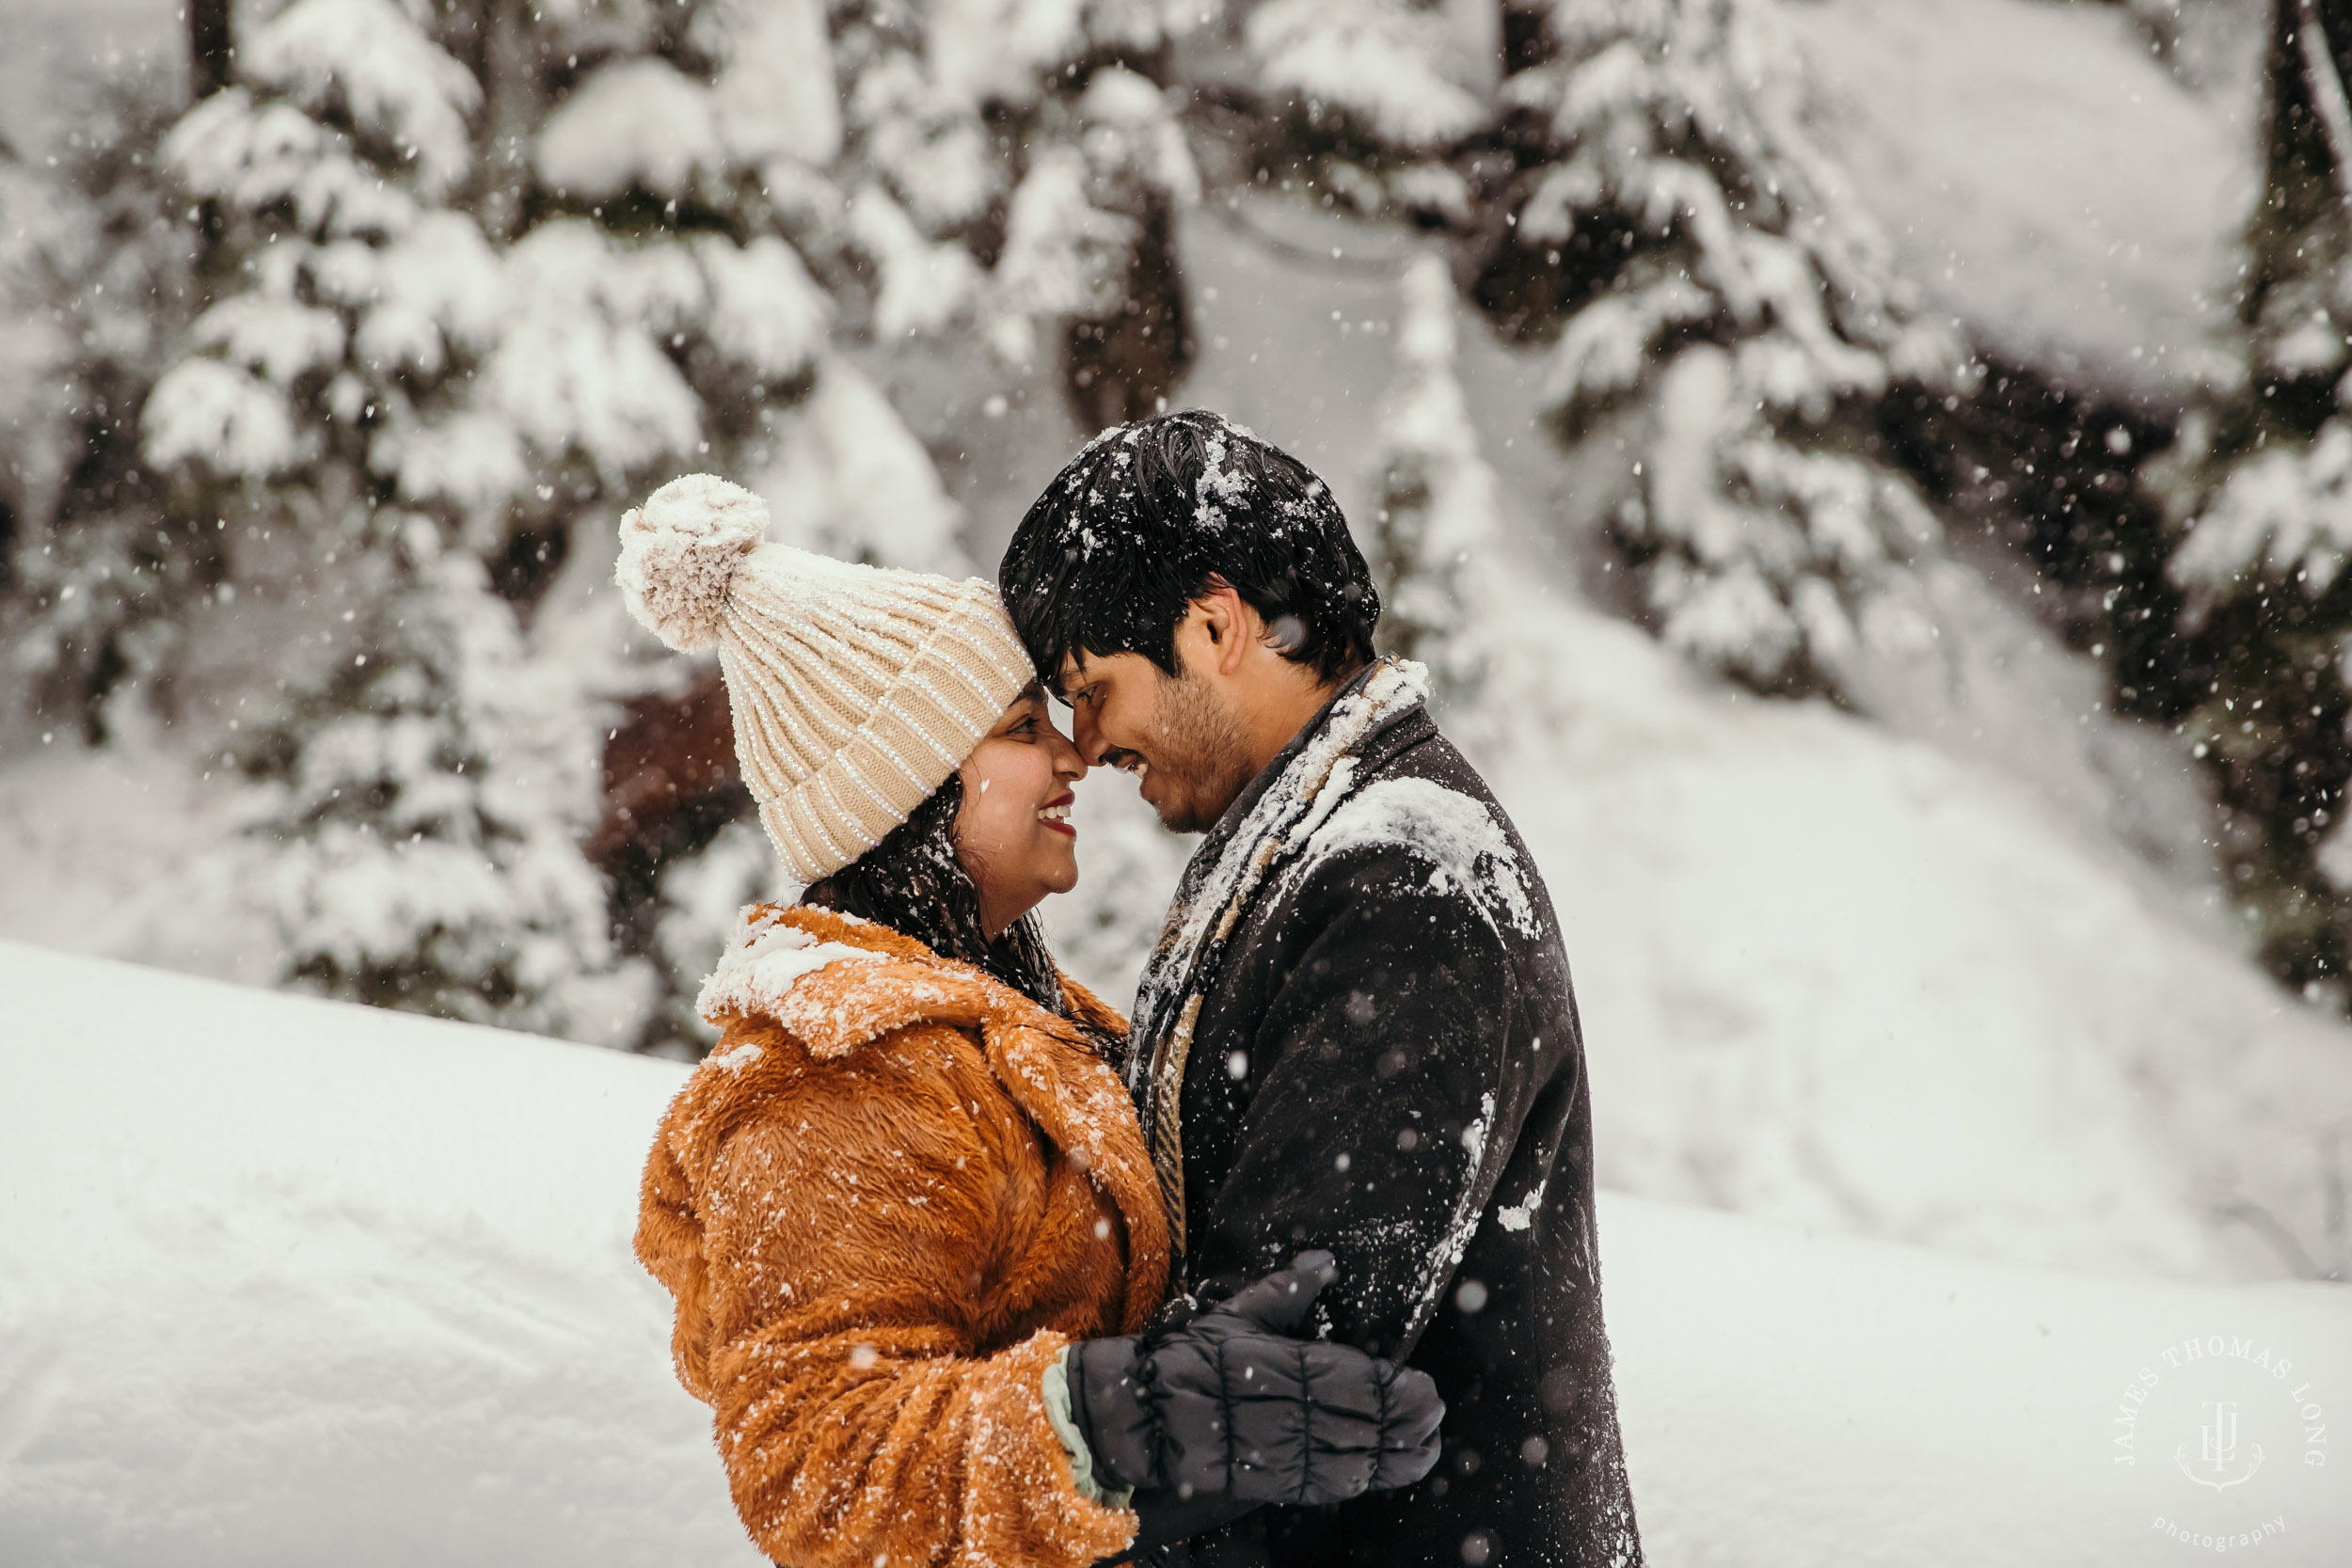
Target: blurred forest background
[1871, 477]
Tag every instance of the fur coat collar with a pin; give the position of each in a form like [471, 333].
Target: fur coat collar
[837, 984]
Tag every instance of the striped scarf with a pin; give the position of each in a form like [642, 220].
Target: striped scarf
[1221, 884]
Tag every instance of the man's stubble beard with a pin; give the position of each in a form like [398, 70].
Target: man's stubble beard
[1202, 763]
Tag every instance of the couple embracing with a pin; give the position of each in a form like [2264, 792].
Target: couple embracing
[1298, 1268]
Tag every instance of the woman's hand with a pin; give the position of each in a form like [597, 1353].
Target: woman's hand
[1234, 1402]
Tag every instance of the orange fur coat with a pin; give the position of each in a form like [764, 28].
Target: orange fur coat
[884, 1202]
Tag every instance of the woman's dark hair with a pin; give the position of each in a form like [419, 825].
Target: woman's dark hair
[1128, 535]
[916, 883]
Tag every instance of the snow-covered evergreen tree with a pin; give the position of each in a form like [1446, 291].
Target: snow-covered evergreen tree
[1013, 167]
[433, 791]
[1433, 528]
[1675, 224]
[2259, 493]
[1634, 183]
[96, 266]
[450, 302]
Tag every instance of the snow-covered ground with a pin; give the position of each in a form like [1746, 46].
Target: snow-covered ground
[285, 1281]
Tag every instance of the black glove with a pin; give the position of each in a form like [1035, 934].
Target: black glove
[1231, 1402]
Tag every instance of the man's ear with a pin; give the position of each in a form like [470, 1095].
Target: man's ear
[1229, 622]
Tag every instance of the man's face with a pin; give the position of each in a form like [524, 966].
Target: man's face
[1173, 732]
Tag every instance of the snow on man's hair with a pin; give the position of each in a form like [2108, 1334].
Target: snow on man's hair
[1130, 533]
[678, 556]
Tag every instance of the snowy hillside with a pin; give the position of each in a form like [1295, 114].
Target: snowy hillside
[286, 1281]
[1832, 977]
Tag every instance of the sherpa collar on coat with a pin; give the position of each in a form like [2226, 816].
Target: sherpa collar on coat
[837, 983]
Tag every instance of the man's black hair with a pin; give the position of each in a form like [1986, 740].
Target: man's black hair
[1128, 535]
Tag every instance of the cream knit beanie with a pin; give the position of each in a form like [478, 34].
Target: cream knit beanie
[856, 689]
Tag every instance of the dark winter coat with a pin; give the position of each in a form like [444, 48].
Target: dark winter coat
[1388, 1063]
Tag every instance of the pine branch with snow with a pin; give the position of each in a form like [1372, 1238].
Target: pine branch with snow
[1635, 185]
[1376, 71]
[1376, 105]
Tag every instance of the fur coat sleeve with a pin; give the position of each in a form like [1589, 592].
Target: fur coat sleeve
[881, 1226]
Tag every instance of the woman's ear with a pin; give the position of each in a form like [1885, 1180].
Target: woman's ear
[969, 778]
[959, 830]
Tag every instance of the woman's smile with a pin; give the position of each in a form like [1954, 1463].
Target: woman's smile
[1017, 854]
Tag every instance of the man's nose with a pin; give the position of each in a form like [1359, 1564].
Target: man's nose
[1088, 736]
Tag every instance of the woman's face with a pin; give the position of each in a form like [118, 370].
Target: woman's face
[1012, 829]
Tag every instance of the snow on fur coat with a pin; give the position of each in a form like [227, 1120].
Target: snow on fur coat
[885, 1201]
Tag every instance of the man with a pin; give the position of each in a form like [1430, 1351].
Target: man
[1358, 1033]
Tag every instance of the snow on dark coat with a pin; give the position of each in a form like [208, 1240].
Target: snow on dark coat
[1388, 1063]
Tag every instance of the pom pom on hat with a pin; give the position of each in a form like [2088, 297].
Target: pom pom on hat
[854, 691]
[680, 553]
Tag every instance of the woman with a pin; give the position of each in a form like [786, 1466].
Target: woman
[907, 1185]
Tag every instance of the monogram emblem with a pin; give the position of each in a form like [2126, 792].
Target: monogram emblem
[2216, 1462]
